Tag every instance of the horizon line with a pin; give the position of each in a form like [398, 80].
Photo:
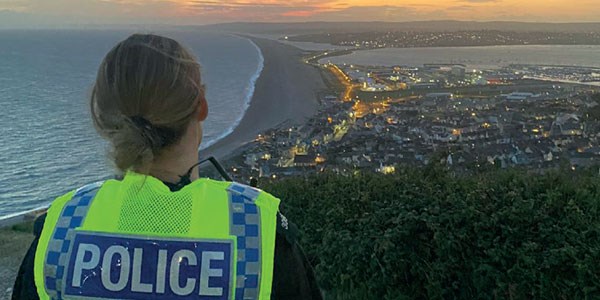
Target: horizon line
[63, 25]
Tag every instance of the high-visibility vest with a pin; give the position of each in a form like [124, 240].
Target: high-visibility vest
[135, 239]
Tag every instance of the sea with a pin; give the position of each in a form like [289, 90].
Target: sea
[48, 145]
[475, 57]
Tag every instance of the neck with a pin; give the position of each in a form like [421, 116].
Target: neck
[171, 170]
[176, 161]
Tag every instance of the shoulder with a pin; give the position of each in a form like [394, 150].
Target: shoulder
[245, 190]
[90, 187]
[236, 188]
[83, 190]
[255, 195]
[56, 207]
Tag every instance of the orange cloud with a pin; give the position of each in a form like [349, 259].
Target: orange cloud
[373, 10]
[214, 11]
[298, 13]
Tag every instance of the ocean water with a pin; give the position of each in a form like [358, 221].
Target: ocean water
[48, 145]
[476, 57]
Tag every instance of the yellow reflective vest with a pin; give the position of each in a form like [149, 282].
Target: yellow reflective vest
[135, 239]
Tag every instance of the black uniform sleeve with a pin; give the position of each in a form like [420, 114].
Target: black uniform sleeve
[24, 288]
[293, 276]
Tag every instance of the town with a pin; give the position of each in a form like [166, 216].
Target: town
[408, 39]
[379, 119]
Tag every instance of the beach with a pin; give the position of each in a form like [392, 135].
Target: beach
[284, 92]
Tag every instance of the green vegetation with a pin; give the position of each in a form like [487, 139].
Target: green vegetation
[26, 227]
[14, 242]
[428, 234]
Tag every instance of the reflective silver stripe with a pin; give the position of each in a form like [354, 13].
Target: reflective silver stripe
[245, 224]
[72, 215]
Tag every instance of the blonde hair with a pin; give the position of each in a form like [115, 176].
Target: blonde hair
[146, 92]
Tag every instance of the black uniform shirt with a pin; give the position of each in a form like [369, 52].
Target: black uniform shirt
[293, 277]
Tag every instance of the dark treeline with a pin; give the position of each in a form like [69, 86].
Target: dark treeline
[428, 234]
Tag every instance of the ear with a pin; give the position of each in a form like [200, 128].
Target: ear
[202, 109]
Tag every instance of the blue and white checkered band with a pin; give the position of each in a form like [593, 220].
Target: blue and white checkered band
[71, 217]
[245, 224]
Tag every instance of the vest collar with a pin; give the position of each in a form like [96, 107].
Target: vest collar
[134, 177]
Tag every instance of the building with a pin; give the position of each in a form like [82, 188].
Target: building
[305, 160]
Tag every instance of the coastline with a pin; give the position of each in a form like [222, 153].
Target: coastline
[286, 91]
[250, 88]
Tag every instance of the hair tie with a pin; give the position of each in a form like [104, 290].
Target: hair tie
[158, 137]
[141, 122]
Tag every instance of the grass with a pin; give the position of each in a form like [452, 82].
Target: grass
[14, 242]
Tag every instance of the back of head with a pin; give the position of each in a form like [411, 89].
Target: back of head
[146, 93]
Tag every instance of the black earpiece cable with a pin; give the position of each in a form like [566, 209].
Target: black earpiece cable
[185, 179]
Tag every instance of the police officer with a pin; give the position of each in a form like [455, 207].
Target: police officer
[160, 232]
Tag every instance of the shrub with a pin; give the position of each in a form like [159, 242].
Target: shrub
[428, 234]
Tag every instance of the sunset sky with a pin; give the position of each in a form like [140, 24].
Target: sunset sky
[216, 11]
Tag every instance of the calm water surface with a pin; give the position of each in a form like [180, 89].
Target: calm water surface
[47, 143]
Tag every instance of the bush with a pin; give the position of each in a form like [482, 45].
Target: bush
[427, 234]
